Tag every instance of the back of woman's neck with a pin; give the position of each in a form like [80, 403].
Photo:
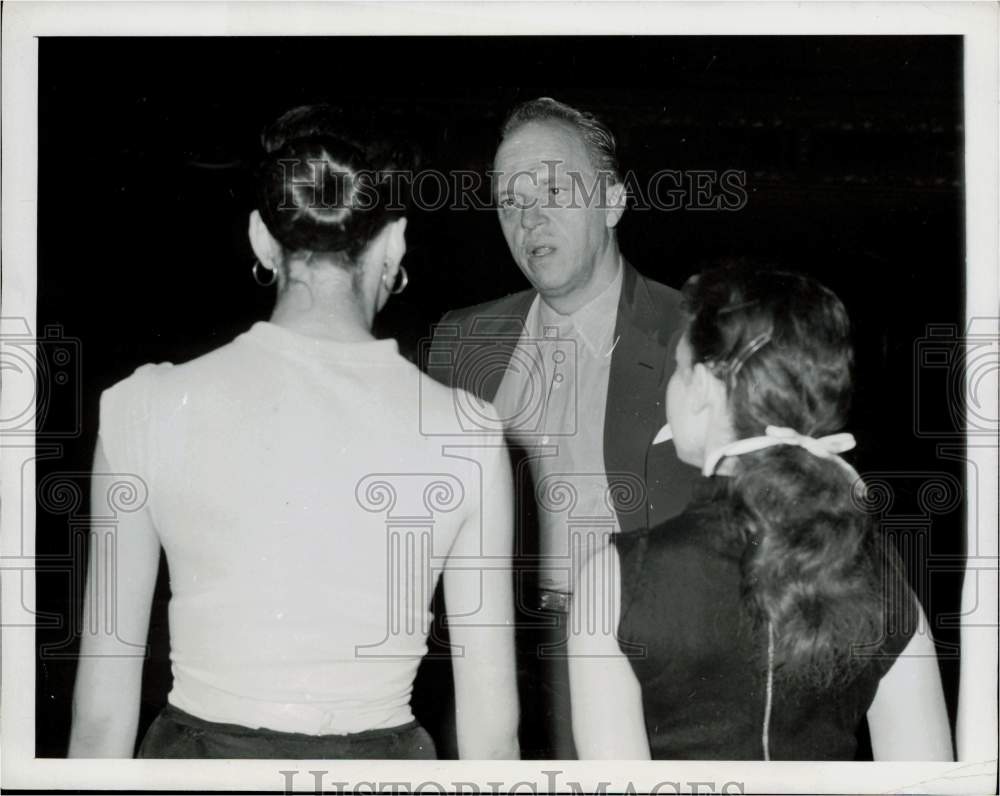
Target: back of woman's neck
[342, 321]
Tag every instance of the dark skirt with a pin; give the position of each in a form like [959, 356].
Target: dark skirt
[176, 734]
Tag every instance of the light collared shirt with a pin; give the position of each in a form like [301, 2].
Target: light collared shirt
[553, 398]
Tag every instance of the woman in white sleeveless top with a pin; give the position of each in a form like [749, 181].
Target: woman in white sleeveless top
[308, 486]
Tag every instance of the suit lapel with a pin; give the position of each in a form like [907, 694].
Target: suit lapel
[635, 410]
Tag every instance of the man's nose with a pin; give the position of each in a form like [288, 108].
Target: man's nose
[531, 214]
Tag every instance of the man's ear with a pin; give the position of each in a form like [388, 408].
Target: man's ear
[615, 201]
[265, 247]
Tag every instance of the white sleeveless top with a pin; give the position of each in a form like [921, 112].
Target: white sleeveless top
[306, 497]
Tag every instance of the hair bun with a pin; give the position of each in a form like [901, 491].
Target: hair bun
[321, 194]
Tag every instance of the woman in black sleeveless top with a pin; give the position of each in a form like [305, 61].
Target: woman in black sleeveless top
[769, 619]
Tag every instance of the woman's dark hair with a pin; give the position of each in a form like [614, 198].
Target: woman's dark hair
[781, 343]
[304, 121]
[386, 145]
[324, 194]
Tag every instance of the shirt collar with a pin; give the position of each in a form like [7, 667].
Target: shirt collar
[593, 323]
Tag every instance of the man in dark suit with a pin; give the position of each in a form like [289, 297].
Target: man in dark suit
[576, 368]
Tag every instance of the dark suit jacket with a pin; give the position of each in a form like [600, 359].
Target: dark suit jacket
[472, 348]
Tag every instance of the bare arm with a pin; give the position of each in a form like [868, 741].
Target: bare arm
[479, 596]
[908, 719]
[116, 622]
[608, 721]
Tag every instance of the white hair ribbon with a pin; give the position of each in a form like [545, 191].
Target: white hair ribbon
[829, 447]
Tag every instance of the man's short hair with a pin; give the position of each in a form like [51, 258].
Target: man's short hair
[597, 136]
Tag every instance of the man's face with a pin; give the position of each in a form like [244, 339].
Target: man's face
[554, 211]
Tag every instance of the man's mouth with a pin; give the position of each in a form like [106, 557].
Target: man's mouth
[540, 251]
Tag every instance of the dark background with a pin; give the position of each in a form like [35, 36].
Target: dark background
[851, 146]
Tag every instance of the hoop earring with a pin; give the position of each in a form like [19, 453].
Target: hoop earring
[256, 274]
[402, 280]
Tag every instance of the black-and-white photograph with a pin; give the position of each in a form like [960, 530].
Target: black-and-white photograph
[544, 397]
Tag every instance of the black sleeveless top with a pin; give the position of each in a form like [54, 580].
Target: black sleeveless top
[703, 669]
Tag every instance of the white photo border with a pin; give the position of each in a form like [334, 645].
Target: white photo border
[24, 22]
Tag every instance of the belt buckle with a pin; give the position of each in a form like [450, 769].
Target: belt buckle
[557, 601]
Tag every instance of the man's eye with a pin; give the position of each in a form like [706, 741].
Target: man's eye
[555, 190]
[507, 202]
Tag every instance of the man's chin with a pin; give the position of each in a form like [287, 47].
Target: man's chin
[549, 289]
[545, 277]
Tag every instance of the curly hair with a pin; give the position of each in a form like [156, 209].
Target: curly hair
[809, 562]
